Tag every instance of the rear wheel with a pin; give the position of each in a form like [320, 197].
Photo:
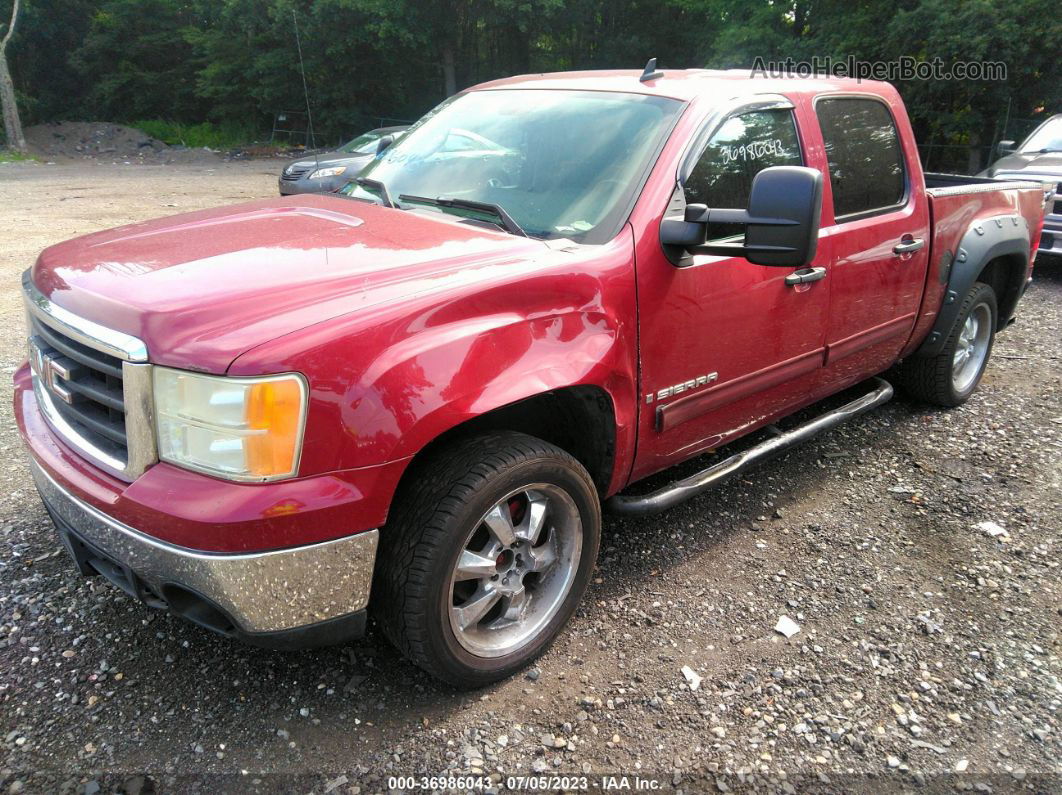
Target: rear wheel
[950, 377]
[486, 556]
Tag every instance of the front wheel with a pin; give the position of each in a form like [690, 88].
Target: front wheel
[950, 377]
[486, 556]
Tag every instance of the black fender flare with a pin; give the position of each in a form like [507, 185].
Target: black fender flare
[986, 240]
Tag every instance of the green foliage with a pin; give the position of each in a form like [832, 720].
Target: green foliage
[47, 83]
[227, 135]
[235, 62]
[10, 156]
[137, 52]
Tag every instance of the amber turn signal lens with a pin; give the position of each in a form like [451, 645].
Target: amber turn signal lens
[274, 410]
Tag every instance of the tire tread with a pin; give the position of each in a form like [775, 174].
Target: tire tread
[929, 378]
[417, 532]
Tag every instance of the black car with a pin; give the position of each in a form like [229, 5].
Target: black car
[1039, 158]
[330, 171]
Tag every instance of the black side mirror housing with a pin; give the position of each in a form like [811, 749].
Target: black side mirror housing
[383, 143]
[1005, 148]
[781, 221]
[793, 195]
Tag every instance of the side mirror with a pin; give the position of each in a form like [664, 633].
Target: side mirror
[781, 222]
[383, 143]
[1005, 148]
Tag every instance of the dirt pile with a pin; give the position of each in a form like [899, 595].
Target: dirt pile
[105, 141]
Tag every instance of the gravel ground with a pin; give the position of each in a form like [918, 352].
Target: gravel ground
[927, 656]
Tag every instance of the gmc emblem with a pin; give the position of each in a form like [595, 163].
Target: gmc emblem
[51, 368]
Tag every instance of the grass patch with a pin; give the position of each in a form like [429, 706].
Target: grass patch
[214, 136]
[11, 156]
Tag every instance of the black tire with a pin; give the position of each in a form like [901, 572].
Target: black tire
[931, 378]
[446, 498]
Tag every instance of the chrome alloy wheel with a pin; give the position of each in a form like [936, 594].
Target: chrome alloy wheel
[972, 348]
[515, 570]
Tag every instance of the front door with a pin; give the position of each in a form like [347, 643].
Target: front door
[725, 344]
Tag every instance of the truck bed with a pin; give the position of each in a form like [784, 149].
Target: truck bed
[938, 184]
[953, 210]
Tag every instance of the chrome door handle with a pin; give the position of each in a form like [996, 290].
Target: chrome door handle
[909, 246]
[805, 275]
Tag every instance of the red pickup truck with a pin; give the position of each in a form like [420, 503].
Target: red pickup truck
[415, 398]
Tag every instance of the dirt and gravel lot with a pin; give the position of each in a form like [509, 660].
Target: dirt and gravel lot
[927, 657]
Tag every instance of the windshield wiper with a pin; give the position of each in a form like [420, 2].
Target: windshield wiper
[505, 221]
[379, 187]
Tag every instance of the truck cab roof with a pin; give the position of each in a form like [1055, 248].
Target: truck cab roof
[685, 84]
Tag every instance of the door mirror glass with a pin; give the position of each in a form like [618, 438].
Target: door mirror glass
[781, 222]
[1005, 148]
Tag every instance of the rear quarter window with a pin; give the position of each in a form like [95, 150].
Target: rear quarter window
[864, 155]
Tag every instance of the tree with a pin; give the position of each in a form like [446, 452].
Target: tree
[136, 53]
[12, 123]
[47, 84]
[368, 62]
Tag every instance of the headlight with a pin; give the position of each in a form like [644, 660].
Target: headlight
[237, 428]
[321, 173]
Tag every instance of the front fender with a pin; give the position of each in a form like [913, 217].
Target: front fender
[423, 388]
[385, 383]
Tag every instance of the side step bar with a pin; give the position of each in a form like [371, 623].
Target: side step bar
[682, 490]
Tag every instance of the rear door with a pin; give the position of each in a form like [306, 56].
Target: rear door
[724, 344]
[877, 221]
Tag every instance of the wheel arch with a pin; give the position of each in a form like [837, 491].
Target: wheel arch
[993, 249]
[1006, 276]
[581, 420]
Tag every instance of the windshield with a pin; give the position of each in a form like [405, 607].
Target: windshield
[560, 163]
[1048, 137]
[363, 144]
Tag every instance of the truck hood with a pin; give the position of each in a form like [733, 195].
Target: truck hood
[201, 288]
[1032, 166]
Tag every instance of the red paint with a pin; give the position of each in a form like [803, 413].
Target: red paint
[886, 332]
[697, 405]
[202, 288]
[407, 325]
[952, 218]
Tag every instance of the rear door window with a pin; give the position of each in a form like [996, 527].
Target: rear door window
[742, 147]
[863, 151]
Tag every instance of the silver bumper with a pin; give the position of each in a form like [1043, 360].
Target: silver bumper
[262, 592]
[1051, 239]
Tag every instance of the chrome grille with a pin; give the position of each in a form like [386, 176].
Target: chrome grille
[93, 386]
[85, 386]
[293, 173]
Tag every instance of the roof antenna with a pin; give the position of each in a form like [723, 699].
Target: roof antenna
[305, 91]
[650, 72]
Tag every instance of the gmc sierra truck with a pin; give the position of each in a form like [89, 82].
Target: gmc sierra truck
[413, 399]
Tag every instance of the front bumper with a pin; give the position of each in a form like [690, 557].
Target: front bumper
[304, 185]
[305, 596]
[1051, 237]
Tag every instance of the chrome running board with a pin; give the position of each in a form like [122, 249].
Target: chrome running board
[682, 490]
